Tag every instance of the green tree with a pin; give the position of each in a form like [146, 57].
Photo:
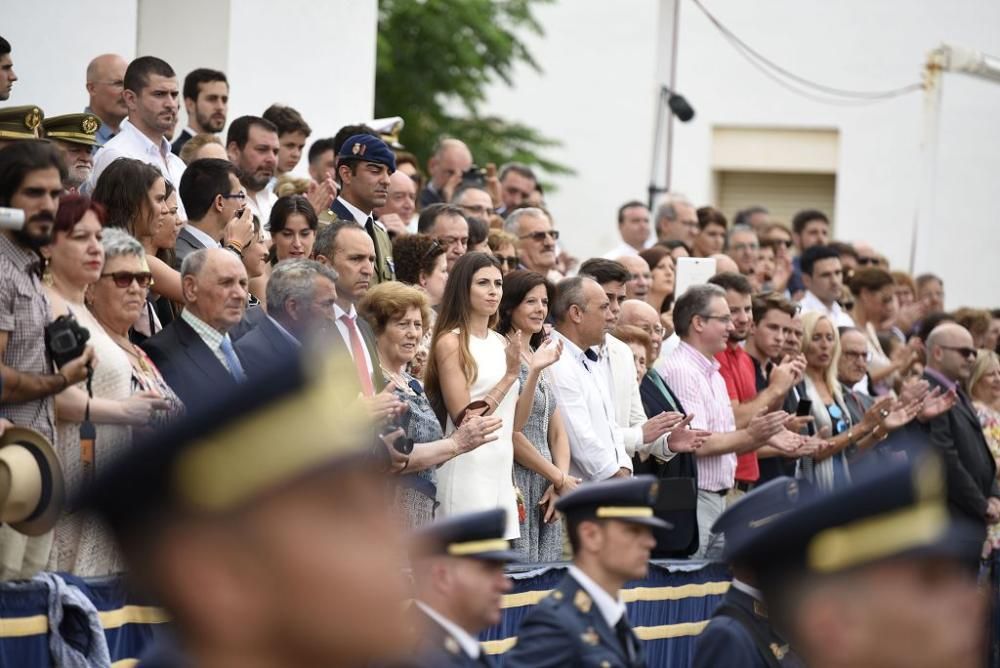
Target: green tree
[438, 55]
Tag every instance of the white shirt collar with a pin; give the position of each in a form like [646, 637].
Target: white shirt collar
[739, 585]
[360, 217]
[201, 236]
[339, 312]
[468, 644]
[570, 347]
[162, 149]
[611, 608]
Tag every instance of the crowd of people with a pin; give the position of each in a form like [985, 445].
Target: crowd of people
[503, 372]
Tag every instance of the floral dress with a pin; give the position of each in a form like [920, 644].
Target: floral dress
[990, 420]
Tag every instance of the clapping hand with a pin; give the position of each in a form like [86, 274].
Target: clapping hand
[937, 403]
[764, 426]
[546, 355]
[476, 430]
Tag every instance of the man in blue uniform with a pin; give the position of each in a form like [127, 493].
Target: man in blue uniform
[458, 567]
[583, 621]
[740, 632]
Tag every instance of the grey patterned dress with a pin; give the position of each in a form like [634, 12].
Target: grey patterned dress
[539, 541]
[415, 501]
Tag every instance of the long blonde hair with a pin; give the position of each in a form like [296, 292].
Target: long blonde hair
[809, 322]
[985, 359]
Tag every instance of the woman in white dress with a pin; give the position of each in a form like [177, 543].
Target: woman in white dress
[472, 369]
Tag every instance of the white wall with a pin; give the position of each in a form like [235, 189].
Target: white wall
[52, 43]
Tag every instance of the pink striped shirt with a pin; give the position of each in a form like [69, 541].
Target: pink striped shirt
[701, 389]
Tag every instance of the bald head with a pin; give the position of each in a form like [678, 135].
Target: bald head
[214, 281]
[637, 286]
[105, 77]
[950, 351]
[725, 264]
[449, 161]
[637, 313]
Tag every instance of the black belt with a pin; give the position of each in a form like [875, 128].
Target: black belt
[744, 486]
[720, 492]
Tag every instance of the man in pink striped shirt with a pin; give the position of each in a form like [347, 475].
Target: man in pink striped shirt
[703, 322]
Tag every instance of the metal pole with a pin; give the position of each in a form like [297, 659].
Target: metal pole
[923, 220]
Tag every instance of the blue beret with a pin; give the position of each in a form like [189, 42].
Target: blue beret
[369, 149]
[470, 535]
[627, 499]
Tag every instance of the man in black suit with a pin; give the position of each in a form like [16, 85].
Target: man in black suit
[458, 571]
[216, 206]
[194, 352]
[300, 298]
[364, 165]
[973, 491]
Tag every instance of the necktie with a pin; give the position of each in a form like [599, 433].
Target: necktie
[358, 352]
[232, 361]
[370, 229]
[627, 639]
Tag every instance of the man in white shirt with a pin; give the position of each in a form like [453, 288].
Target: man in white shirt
[458, 571]
[823, 277]
[252, 145]
[634, 228]
[610, 526]
[150, 94]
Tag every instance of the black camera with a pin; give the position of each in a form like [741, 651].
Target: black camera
[474, 176]
[401, 444]
[65, 339]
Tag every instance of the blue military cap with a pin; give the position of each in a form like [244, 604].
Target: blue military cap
[470, 535]
[756, 510]
[369, 149]
[299, 419]
[887, 512]
[627, 500]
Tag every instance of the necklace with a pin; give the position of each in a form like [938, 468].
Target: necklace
[130, 350]
[400, 382]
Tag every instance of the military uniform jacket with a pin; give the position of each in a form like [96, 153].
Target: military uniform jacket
[566, 628]
[438, 648]
[385, 269]
[729, 641]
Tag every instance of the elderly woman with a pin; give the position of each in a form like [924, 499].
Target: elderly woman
[397, 314]
[75, 260]
[422, 263]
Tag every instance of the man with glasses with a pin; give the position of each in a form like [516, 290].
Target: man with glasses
[744, 248]
[474, 202]
[973, 491]
[218, 215]
[446, 223]
[105, 85]
[536, 241]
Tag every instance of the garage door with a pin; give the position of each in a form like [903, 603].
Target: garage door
[783, 193]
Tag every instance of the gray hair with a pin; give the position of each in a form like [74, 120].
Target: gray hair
[293, 279]
[512, 224]
[194, 263]
[694, 301]
[736, 230]
[668, 208]
[118, 242]
[569, 292]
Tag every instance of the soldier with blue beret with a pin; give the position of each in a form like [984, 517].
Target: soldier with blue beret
[458, 569]
[583, 621]
[364, 165]
[261, 523]
[740, 632]
[875, 574]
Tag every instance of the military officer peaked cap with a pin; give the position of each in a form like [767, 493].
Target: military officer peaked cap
[627, 500]
[75, 128]
[369, 149]
[764, 505]
[22, 122]
[471, 535]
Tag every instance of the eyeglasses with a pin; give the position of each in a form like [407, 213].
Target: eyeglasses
[961, 350]
[865, 261]
[744, 247]
[447, 242]
[241, 196]
[721, 318]
[657, 330]
[509, 260]
[540, 236]
[123, 279]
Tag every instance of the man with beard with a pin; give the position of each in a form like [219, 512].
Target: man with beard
[75, 135]
[105, 85]
[252, 144]
[365, 164]
[31, 178]
[206, 99]
[151, 97]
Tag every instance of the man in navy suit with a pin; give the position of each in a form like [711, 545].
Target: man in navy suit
[300, 299]
[194, 352]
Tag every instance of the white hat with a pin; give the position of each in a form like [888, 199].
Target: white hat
[32, 491]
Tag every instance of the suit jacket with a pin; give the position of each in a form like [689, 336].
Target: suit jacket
[567, 629]
[682, 540]
[190, 368]
[261, 345]
[439, 648]
[629, 413]
[385, 269]
[182, 139]
[727, 640]
[185, 245]
[971, 470]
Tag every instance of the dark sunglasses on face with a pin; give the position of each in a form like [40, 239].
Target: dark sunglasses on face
[540, 236]
[962, 350]
[509, 260]
[123, 279]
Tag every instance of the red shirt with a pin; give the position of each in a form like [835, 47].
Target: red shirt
[736, 368]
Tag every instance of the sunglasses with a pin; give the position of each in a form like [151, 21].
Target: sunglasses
[509, 260]
[841, 424]
[433, 248]
[962, 350]
[123, 279]
[865, 261]
[540, 236]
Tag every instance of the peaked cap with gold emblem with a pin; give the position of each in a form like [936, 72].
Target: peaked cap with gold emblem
[75, 128]
[627, 500]
[23, 122]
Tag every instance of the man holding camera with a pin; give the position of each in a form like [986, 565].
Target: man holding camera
[31, 178]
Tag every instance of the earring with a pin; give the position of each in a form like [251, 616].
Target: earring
[47, 275]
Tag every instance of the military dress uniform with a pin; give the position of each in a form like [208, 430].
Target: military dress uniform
[569, 627]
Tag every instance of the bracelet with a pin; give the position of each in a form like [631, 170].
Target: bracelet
[234, 247]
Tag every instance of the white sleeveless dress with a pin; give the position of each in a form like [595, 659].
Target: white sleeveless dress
[483, 479]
